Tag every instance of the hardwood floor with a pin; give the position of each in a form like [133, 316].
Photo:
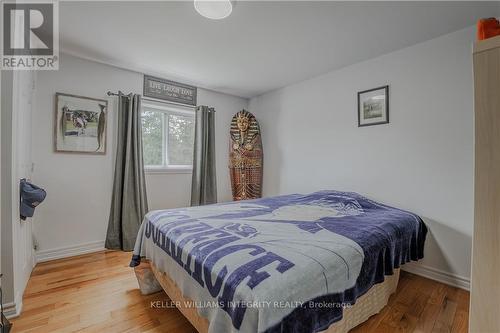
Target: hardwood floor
[99, 293]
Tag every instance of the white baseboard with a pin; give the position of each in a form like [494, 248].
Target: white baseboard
[13, 309]
[438, 275]
[69, 251]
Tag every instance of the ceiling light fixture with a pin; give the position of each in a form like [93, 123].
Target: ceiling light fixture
[214, 9]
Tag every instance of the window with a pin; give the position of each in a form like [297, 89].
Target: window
[167, 137]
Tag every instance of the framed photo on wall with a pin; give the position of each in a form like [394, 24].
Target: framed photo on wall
[373, 106]
[80, 124]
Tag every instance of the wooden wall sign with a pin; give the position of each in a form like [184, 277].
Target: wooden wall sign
[169, 90]
[245, 157]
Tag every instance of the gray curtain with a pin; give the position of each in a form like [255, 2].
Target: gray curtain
[129, 201]
[204, 185]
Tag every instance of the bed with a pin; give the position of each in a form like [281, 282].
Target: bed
[324, 261]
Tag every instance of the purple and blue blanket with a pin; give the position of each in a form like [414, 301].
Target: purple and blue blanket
[282, 264]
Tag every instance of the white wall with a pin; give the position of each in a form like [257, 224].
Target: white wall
[79, 186]
[422, 161]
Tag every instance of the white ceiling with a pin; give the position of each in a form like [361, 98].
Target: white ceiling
[262, 45]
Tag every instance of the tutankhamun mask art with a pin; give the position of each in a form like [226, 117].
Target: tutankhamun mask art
[245, 157]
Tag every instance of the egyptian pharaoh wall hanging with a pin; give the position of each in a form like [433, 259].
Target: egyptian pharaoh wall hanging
[245, 157]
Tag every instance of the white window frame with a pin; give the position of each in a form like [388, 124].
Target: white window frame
[167, 109]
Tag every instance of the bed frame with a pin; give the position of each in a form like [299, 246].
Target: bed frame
[366, 306]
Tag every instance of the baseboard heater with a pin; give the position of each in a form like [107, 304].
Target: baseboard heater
[5, 325]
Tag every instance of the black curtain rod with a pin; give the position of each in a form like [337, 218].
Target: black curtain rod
[110, 93]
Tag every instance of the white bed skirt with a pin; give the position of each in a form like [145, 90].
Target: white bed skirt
[366, 306]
